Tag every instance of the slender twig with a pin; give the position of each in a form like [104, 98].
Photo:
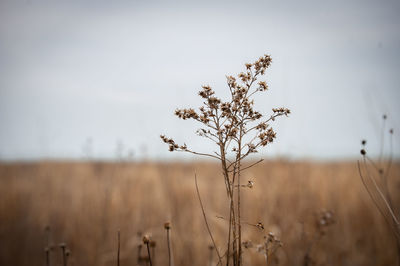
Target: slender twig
[382, 196]
[205, 219]
[146, 240]
[48, 247]
[47, 252]
[119, 247]
[247, 167]
[239, 199]
[63, 246]
[202, 154]
[387, 170]
[67, 254]
[375, 201]
[167, 227]
[258, 226]
[148, 252]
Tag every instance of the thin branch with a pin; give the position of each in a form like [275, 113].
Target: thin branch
[119, 247]
[205, 219]
[247, 167]
[206, 135]
[202, 154]
[242, 223]
[370, 194]
[383, 197]
[387, 170]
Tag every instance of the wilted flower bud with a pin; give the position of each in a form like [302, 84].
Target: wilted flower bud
[146, 239]
[167, 225]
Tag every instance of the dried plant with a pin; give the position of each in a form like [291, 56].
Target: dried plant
[238, 131]
[269, 247]
[323, 220]
[119, 248]
[146, 241]
[67, 254]
[63, 247]
[48, 247]
[167, 226]
[374, 176]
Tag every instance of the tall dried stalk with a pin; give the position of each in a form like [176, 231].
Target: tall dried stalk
[167, 227]
[146, 241]
[119, 247]
[47, 249]
[375, 181]
[238, 131]
[64, 255]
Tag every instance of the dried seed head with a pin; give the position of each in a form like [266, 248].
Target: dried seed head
[167, 225]
[146, 239]
[384, 117]
[210, 247]
[281, 111]
[67, 252]
[263, 86]
[186, 113]
[363, 152]
[270, 239]
[363, 142]
[391, 131]
[250, 184]
[260, 225]
[153, 243]
[62, 245]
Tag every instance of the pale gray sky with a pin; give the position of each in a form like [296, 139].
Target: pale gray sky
[114, 72]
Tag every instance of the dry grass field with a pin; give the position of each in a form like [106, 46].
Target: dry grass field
[86, 203]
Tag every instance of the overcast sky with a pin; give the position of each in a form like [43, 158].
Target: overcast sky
[87, 77]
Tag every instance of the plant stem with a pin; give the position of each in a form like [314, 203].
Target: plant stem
[148, 252]
[205, 219]
[119, 245]
[169, 249]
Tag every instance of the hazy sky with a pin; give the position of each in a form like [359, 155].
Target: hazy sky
[113, 72]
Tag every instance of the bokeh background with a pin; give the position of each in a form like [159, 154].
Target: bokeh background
[87, 87]
[87, 77]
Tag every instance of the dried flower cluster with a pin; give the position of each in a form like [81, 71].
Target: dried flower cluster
[238, 131]
[268, 248]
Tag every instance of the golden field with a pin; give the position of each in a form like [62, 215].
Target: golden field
[86, 203]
